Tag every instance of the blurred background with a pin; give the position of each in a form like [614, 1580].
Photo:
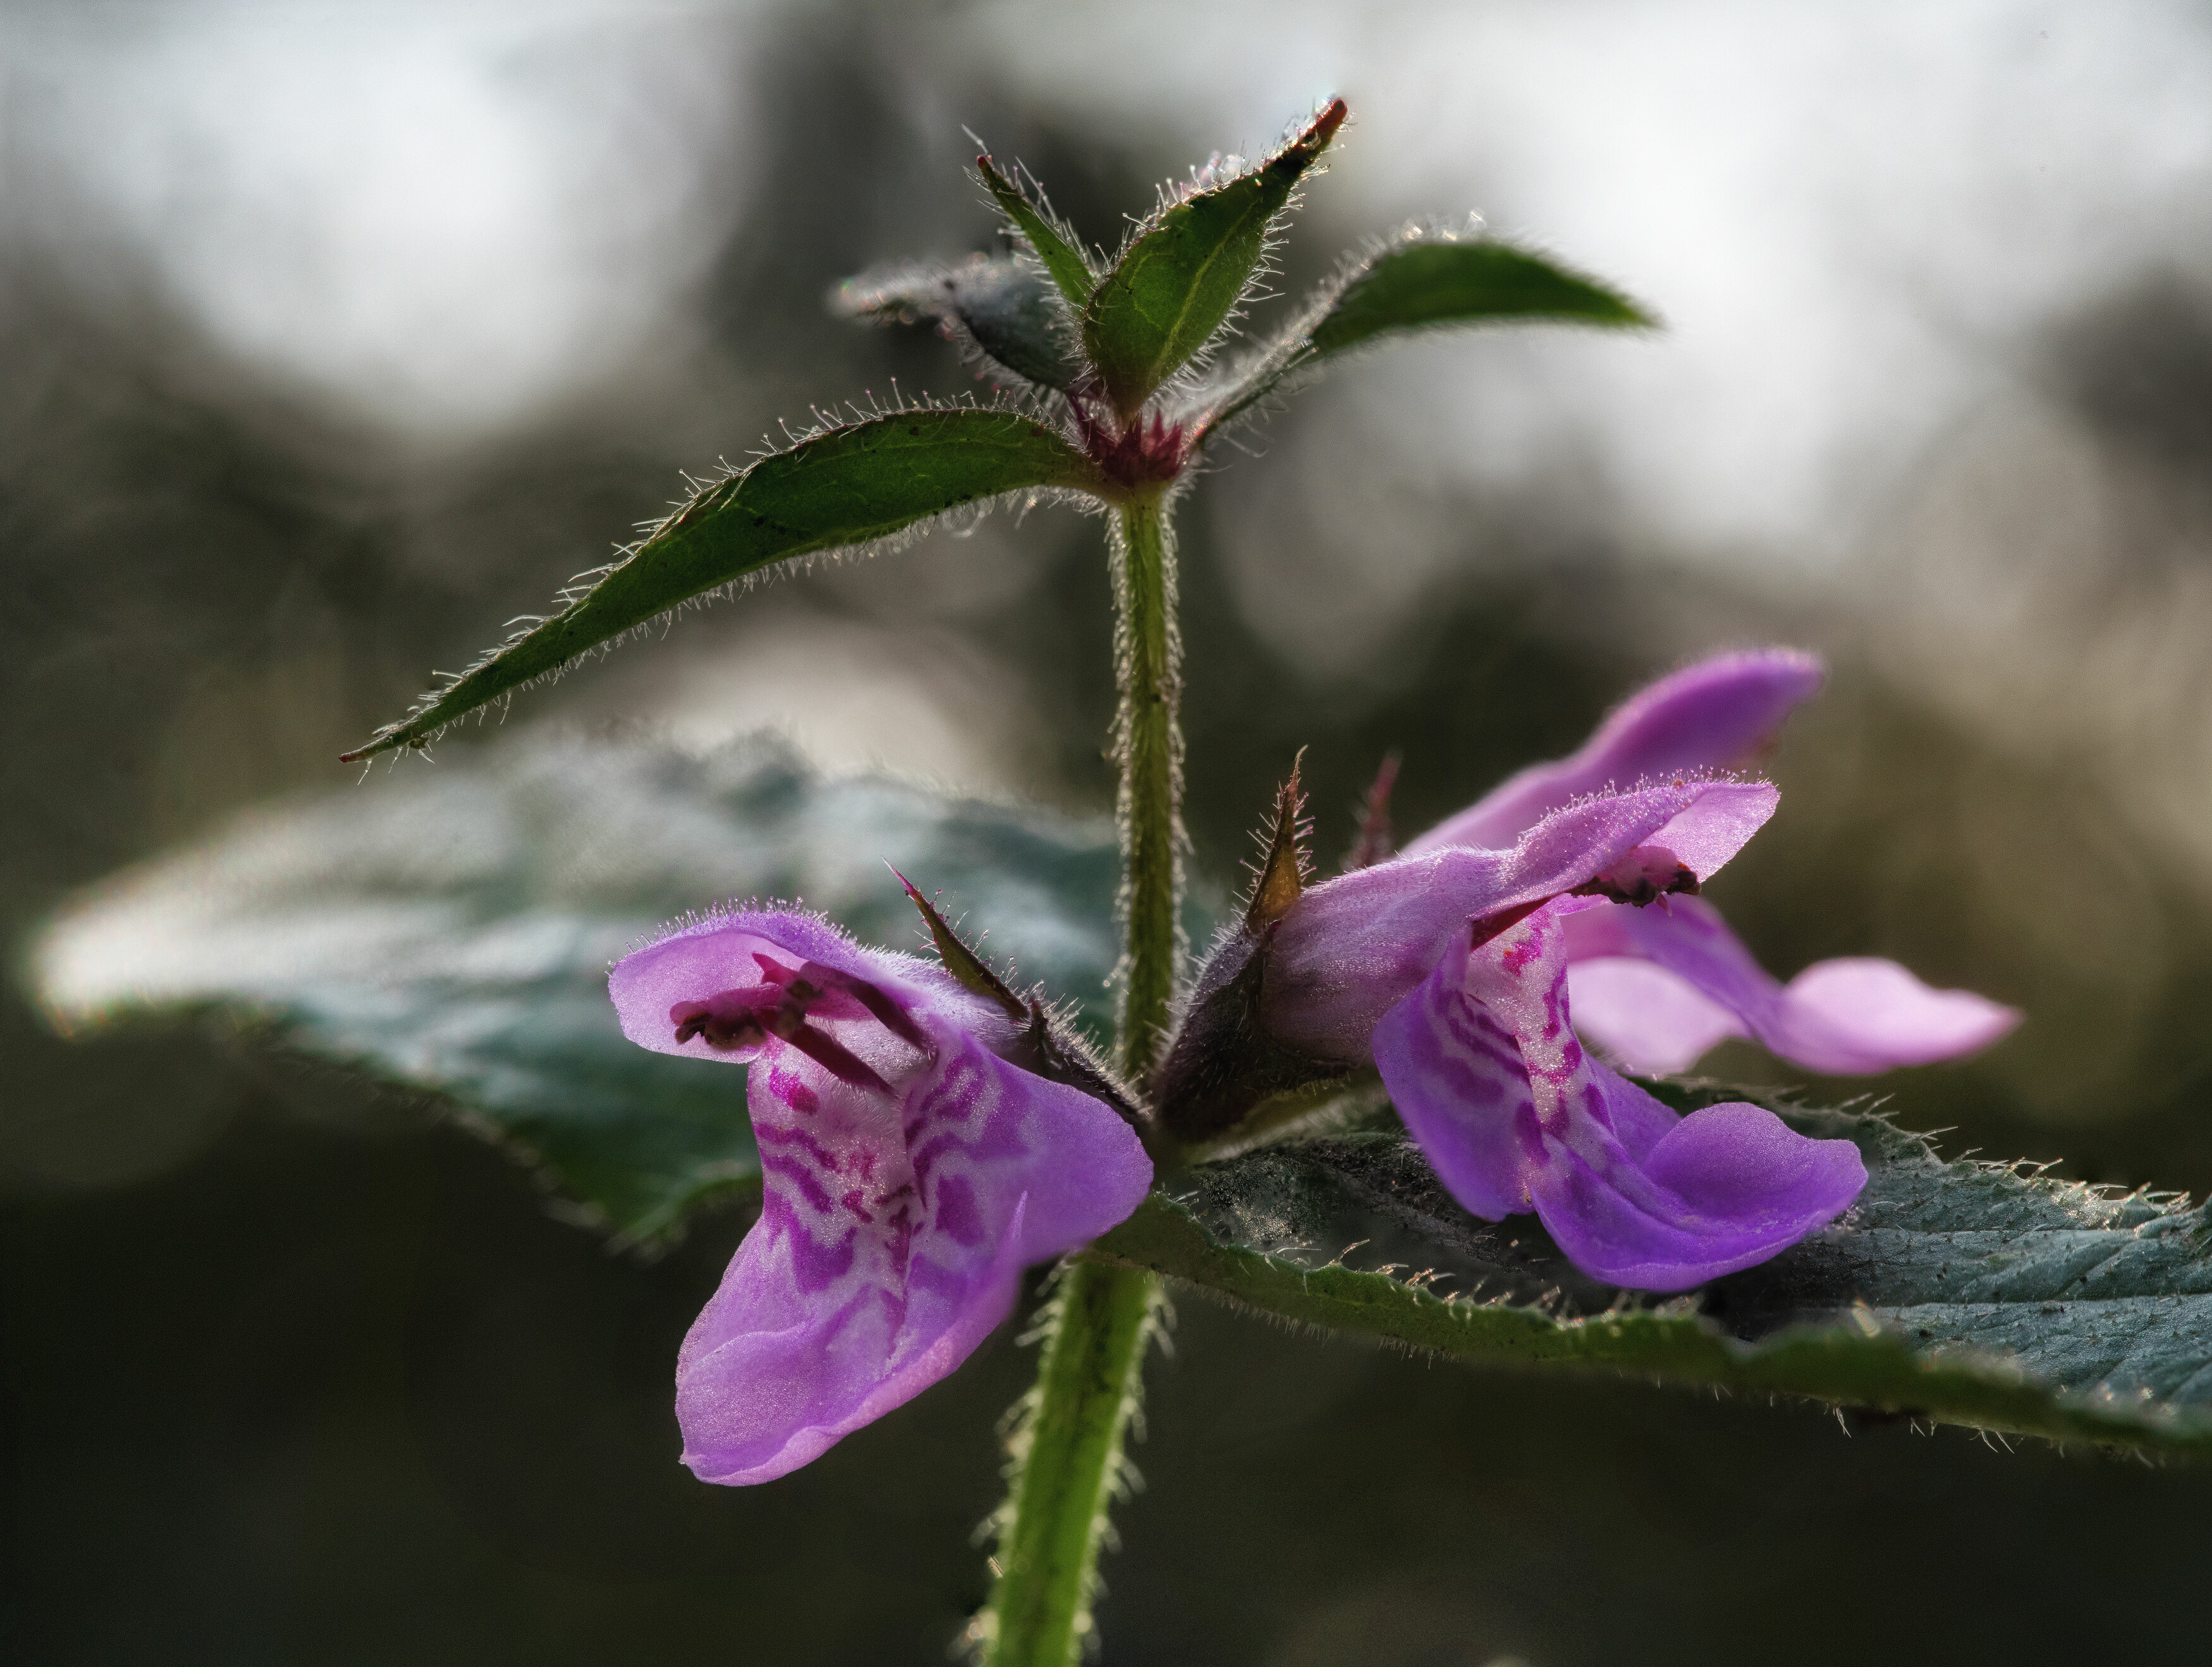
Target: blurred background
[332, 337]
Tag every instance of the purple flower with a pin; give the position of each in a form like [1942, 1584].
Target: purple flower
[910, 1173]
[1449, 966]
[1353, 946]
[1717, 715]
[1655, 987]
[1483, 1065]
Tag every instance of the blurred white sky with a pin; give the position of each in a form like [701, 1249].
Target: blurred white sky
[443, 215]
[1847, 213]
[448, 214]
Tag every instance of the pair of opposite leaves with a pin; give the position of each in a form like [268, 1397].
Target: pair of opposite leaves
[1115, 380]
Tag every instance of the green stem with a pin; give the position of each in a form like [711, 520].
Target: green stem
[1067, 1447]
[1148, 746]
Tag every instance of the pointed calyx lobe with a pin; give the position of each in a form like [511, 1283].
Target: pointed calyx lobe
[1375, 841]
[1186, 270]
[911, 1169]
[840, 487]
[1282, 877]
[1043, 1046]
[1224, 1062]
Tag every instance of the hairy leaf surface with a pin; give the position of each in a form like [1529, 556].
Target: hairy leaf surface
[1053, 244]
[1963, 1293]
[1005, 310]
[1421, 282]
[451, 929]
[1185, 272]
[832, 490]
[1425, 279]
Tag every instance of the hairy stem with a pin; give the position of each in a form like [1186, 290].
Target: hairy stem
[1148, 746]
[1068, 1450]
[1067, 1442]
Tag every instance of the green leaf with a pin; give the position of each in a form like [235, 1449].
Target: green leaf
[1426, 281]
[1052, 243]
[1006, 312]
[451, 929]
[832, 490]
[1959, 1293]
[1426, 278]
[1185, 272]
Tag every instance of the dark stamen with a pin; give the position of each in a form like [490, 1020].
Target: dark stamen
[1645, 875]
[834, 1058]
[777, 1007]
[885, 1012]
[723, 1024]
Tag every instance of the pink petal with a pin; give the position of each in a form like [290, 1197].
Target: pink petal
[1648, 1018]
[1715, 715]
[908, 1173]
[1881, 1009]
[1456, 1075]
[891, 1242]
[1845, 1018]
[1729, 1188]
[1354, 946]
[1482, 1064]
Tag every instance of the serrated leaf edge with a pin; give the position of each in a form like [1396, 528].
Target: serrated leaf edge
[1952, 1385]
[1249, 385]
[412, 733]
